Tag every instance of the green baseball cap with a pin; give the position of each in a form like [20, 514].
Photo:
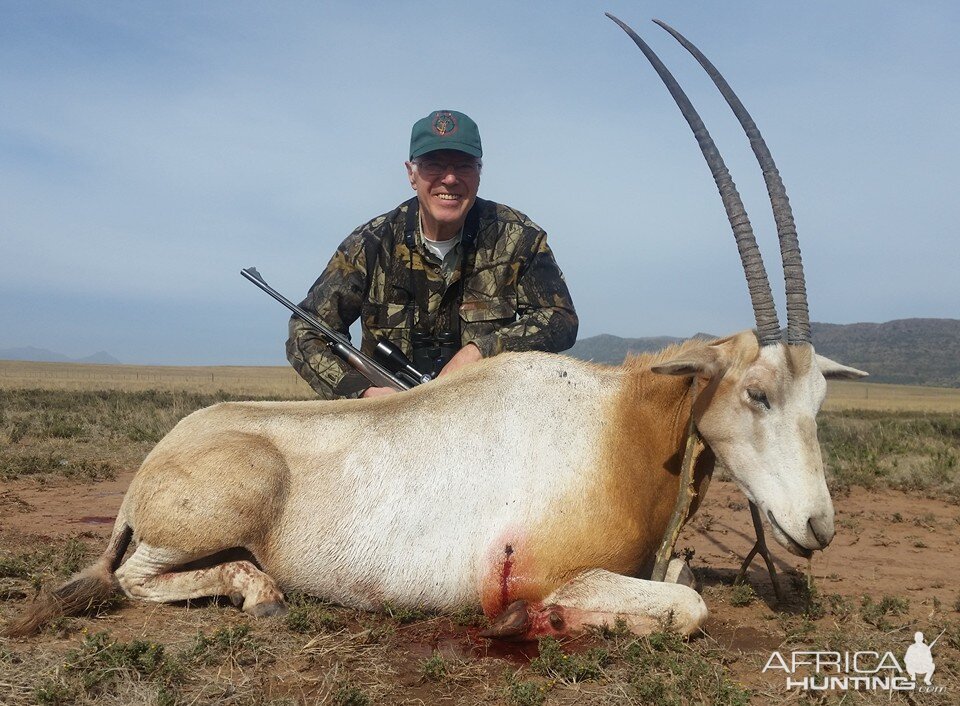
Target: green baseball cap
[445, 130]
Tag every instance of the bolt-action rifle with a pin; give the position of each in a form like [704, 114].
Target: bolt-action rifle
[393, 369]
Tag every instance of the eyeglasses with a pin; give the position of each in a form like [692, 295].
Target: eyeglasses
[432, 168]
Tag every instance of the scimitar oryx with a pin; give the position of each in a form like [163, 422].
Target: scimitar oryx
[534, 485]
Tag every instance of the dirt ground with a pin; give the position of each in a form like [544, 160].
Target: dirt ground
[887, 544]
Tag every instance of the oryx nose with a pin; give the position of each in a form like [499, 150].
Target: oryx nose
[822, 529]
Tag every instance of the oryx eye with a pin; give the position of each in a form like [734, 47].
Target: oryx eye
[758, 397]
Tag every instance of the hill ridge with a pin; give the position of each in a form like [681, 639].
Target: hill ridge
[915, 351]
[43, 355]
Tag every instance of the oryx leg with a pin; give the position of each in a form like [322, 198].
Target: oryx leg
[598, 597]
[760, 547]
[151, 574]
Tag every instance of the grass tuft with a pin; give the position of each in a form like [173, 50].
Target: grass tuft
[57, 560]
[569, 668]
[876, 613]
[405, 616]
[311, 615]
[434, 668]
[520, 692]
[742, 594]
[350, 695]
[664, 669]
[469, 617]
[100, 663]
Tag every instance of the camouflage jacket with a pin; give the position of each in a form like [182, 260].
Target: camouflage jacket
[505, 294]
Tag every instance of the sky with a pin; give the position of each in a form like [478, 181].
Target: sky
[150, 150]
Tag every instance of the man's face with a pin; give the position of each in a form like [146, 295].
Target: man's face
[446, 182]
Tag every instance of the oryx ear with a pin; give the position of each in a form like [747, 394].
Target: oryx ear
[832, 370]
[703, 361]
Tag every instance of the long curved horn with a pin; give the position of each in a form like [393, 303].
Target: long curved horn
[764, 310]
[798, 315]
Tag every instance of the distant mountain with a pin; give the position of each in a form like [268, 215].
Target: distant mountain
[905, 351]
[99, 358]
[42, 355]
[611, 350]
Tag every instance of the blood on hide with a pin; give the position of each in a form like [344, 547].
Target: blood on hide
[505, 576]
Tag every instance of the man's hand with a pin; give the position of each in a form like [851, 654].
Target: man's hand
[466, 355]
[379, 391]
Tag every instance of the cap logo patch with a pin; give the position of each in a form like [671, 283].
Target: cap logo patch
[444, 124]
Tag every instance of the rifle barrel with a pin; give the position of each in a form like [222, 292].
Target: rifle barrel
[340, 344]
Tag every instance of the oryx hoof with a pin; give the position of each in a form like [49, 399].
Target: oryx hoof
[679, 571]
[512, 622]
[268, 609]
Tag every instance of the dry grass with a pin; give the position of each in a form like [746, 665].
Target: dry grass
[210, 654]
[911, 451]
[88, 435]
[281, 381]
[873, 396]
